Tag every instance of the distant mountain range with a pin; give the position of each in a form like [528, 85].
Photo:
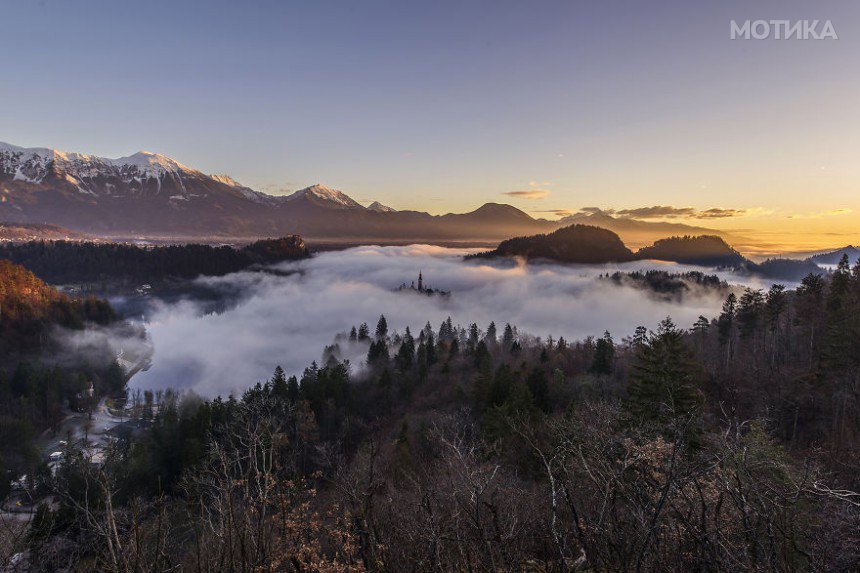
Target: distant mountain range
[150, 195]
[634, 231]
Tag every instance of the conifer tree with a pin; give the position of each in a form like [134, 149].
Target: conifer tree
[491, 335]
[363, 331]
[279, 383]
[507, 337]
[604, 355]
[381, 328]
[406, 354]
[640, 336]
[293, 389]
[664, 378]
[539, 388]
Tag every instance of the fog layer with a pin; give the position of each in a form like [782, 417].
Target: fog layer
[288, 320]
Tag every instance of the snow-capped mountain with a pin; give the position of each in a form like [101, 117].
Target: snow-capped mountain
[325, 197]
[148, 194]
[379, 207]
[88, 173]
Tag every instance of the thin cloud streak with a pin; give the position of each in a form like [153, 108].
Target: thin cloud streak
[531, 194]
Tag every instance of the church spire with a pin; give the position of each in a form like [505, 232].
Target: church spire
[420, 281]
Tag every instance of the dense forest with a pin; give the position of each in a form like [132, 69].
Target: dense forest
[731, 445]
[63, 262]
[670, 286]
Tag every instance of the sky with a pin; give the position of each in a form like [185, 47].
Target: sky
[443, 106]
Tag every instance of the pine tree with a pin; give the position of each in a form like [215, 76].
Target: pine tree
[353, 334]
[406, 354]
[363, 331]
[749, 312]
[726, 320]
[775, 305]
[539, 388]
[491, 334]
[507, 337]
[604, 355]
[640, 336]
[474, 335]
[664, 378]
[279, 384]
[381, 328]
[838, 351]
[293, 389]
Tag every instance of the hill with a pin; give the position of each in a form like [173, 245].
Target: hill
[582, 244]
[703, 250]
[592, 245]
[792, 270]
[29, 308]
[833, 257]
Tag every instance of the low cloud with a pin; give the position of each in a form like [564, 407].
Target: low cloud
[597, 211]
[669, 212]
[288, 320]
[721, 213]
[556, 212]
[531, 194]
[821, 214]
[657, 212]
[536, 190]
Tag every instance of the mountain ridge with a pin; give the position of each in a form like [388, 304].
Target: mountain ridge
[151, 195]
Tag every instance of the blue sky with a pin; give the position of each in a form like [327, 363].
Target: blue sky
[445, 105]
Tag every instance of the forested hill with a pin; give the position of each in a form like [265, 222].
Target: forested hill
[584, 244]
[703, 250]
[82, 262]
[29, 308]
[574, 244]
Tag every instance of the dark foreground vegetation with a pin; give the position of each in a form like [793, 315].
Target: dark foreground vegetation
[64, 262]
[731, 446]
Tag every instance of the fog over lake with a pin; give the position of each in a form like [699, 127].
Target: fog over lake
[288, 318]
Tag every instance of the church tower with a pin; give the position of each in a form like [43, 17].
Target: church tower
[420, 282]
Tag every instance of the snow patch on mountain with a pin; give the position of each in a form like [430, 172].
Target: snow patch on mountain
[33, 164]
[326, 195]
[377, 206]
